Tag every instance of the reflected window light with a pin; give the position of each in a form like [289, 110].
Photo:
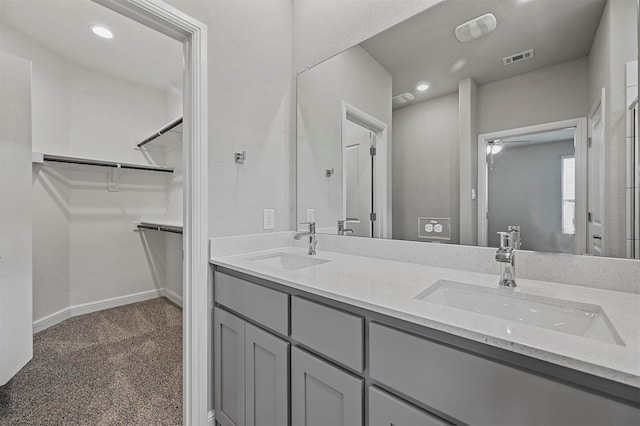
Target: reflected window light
[493, 148]
[458, 66]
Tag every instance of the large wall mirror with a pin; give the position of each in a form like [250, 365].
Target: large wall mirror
[474, 115]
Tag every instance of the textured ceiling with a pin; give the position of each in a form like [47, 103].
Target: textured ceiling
[424, 48]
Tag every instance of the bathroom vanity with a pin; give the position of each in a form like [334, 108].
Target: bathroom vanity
[352, 340]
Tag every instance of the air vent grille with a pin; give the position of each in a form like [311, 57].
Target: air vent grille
[518, 57]
[402, 98]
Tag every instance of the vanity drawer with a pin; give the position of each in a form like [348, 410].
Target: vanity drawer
[479, 391]
[267, 307]
[334, 333]
[387, 410]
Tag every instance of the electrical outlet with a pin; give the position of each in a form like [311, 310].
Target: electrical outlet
[311, 215]
[269, 218]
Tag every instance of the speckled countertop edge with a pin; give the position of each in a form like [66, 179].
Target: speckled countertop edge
[389, 287]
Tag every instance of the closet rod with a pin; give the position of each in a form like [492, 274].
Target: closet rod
[161, 228]
[160, 132]
[87, 162]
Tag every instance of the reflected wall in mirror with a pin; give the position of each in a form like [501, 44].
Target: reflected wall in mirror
[417, 135]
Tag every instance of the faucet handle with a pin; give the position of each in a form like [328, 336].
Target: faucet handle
[505, 239]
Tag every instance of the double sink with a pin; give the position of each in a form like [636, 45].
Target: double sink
[565, 316]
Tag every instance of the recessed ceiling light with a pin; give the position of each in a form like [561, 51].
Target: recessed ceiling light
[101, 31]
[422, 87]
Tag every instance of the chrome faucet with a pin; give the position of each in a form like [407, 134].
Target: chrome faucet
[506, 256]
[312, 236]
[341, 226]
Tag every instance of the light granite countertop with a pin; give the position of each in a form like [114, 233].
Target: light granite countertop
[389, 288]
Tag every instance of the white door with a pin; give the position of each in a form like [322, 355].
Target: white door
[16, 336]
[595, 182]
[358, 178]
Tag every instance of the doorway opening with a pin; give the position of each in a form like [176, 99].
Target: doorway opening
[550, 207]
[365, 206]
[192, 251]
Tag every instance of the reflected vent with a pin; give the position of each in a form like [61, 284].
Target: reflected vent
[518, 57]
[402, 98]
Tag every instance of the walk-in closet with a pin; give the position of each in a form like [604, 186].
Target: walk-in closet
[103, 94]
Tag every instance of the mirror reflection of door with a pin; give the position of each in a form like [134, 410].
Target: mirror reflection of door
[358, 176]
[595, 179]
[532, 183]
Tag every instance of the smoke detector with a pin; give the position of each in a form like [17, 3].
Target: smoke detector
[402, 98]
[476, 28]
[522, 56]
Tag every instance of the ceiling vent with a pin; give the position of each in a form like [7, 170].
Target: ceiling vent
[476, 28]
[522, 56]
[402, 98]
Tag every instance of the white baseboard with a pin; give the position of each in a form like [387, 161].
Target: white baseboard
[85, 308]
[211, 418]
[51, 320]
[172, 295]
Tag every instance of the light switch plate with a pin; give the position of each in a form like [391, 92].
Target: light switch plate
[269, 218]
[434, 228]
[311, 215]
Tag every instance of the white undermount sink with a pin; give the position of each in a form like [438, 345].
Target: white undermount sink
[580, 319]
[288, 261]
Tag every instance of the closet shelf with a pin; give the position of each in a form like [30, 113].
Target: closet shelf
[166, 138]
[163, 226]
[40, 158]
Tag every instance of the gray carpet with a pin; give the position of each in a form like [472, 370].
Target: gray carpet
[121, 366]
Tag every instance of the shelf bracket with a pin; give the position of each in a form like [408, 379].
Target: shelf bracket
[114, 179]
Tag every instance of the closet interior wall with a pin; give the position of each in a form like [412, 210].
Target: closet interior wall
[86, 254]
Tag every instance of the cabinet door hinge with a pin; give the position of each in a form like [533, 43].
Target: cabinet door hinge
[589, 141]
[372, 216]
[372, 151]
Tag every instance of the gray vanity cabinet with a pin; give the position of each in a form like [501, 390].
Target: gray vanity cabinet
[252, 369]
[283, 357]
[322, 394]
[387, 410]
[480, 391]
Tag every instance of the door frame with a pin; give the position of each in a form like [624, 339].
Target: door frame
[381, 188]
[598, 104]
[580, 144]
[176, 24]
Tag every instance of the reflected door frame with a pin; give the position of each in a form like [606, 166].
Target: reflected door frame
[580, 143]
[595, 227]
[381, 187]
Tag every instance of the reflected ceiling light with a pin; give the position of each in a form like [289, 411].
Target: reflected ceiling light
[422, 87]
[476, 28]
[101, 31]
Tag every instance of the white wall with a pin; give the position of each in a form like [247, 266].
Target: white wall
[250, 98]
[357, 78]
[554, 93]
[84, 247]
[615, 44]
[425, 165]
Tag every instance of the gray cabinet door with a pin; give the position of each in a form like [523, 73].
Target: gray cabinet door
[229, 342]
[322, 394]
[387, 410]
[266, 377]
